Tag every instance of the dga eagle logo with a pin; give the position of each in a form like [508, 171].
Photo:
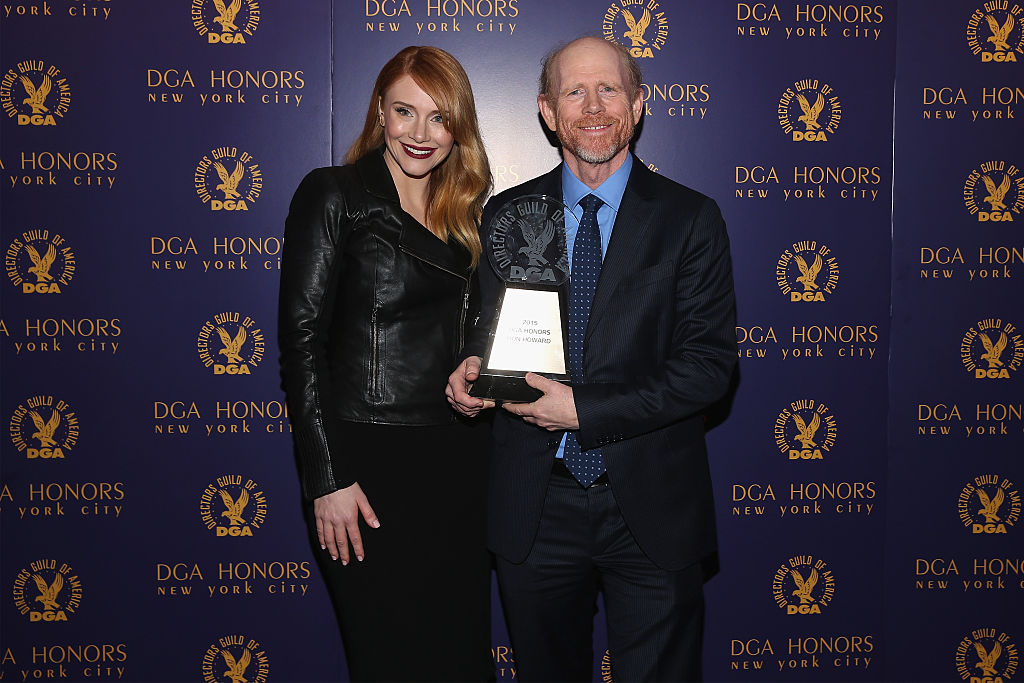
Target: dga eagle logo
[47, 591]
[35, 94]
[228, 180]
[803, 585]
[989, 504]
[639, 25]
[226, 23]
[38, 263]
[805, 430]
[987, 655]
[537, 234]
[992, 349]
[44, 428]
[527, 241]
[809, 111]
[995, 32]
[799, 272]
[231, 344]
[994, 192]
[236, 659]
[233, 506]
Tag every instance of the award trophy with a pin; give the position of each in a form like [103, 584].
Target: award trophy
[527, 249]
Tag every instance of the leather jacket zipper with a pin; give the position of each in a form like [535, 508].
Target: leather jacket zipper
[374, 357]
[465, 293]
[462, 317]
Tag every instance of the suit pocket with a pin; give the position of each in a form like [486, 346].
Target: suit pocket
[647, 276]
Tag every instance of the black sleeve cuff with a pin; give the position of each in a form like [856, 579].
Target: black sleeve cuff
[320, 466]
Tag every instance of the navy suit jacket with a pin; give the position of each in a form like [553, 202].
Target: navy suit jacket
[660, 348]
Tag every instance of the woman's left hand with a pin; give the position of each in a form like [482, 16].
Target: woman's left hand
[337, 521]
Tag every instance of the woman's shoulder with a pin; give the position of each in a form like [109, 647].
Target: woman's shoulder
[365, 182]
[327, 184]
[327, 178]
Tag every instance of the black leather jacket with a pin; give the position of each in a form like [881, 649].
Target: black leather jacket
[371, 317]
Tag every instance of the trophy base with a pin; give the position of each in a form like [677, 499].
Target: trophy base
[511, 388]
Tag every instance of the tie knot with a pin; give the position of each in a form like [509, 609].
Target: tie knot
[591, 203]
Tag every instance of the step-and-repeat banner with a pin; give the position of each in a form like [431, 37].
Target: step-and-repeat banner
[867, 472]
[954, 566]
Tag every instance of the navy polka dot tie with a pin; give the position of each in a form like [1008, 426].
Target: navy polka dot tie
[586, 268]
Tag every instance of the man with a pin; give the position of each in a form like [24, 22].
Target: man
[604, 485]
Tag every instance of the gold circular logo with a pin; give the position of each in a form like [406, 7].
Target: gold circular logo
[40, 263]
[640, 26]
[233, 506]
[992, 349]
[47, 590]
[230, 344]
[44, 428]
[236, 658]
[807, 271]
[805, 430]
[35, 93]
[986, 654]
[995, 32]
[994, 192]
[989, 504]
[228, 180]
[803, 585]
[809, 111]
[226, 22]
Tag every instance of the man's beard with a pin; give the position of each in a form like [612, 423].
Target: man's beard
[595, 151]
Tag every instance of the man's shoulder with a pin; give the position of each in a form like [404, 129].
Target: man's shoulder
[657, 186]
[550, 180]
[642, 180]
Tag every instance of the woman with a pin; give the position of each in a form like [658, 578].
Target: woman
[374, 296]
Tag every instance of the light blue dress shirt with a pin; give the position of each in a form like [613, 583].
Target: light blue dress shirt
[610, 193]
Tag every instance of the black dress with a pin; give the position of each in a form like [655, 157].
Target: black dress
[371, 322]
[417, 607]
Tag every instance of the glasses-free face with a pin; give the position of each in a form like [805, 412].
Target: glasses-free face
[591, 111]
[415, 138]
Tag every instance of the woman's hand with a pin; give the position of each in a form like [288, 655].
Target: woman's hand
[337, 521]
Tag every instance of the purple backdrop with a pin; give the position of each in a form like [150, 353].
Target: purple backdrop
[872, 452]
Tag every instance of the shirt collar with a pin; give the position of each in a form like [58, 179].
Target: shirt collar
[610, 191]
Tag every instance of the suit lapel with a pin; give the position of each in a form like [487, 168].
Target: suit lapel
[631, 225]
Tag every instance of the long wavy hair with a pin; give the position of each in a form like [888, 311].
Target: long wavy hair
[458, 187]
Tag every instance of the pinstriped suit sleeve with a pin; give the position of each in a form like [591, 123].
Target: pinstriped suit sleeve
[702, 356]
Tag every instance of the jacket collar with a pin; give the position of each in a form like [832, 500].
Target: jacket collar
[550, 183]
[376, 177]
[638, 182]
[415, 239]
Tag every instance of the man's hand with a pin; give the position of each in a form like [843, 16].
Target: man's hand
[459, 383]
[337, 521]
[555, 410]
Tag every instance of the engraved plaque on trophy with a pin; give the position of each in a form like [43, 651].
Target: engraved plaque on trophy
[526, 247]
